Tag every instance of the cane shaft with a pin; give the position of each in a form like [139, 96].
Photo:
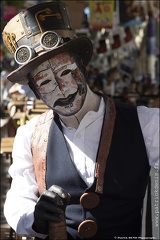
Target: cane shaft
[57, 231]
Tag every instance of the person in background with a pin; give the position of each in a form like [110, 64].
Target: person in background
[133, 94]
[86, 161]
[11, 92]
[5, 86]
[22, 91]
[19, 93]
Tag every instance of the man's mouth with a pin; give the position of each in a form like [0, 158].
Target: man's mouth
[65, 101]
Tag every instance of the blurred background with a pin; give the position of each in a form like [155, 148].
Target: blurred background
[125, 65]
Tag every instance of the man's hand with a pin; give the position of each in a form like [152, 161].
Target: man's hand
[50, 208]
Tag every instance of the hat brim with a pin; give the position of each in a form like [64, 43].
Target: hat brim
[81, 46]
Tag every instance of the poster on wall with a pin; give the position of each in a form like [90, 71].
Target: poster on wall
[101, 14]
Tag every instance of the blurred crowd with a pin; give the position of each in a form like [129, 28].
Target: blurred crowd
[113, 83]
[124, 87]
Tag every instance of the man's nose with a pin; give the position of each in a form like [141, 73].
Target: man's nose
[62, 87]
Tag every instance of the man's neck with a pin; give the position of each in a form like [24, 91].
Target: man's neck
[91, 103]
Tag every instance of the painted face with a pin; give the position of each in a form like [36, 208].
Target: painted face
[61, 84]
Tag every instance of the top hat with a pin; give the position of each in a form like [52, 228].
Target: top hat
[39, 33]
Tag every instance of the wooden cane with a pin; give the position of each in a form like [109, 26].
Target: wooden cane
[57, 231]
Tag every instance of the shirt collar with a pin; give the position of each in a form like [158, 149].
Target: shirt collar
[90, 117]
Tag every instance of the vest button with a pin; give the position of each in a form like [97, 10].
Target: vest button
[87, 228]
[89, 200]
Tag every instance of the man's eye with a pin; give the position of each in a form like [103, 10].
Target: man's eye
[65, 72]
[45, 82]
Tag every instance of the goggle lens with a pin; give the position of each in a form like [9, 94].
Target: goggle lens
[48, 41]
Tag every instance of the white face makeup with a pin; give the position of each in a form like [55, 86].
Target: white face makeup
[60, 84]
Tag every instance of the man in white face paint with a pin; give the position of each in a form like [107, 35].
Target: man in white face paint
[60, 84]
[84, 163]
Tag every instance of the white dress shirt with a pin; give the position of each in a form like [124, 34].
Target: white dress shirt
[83, 144]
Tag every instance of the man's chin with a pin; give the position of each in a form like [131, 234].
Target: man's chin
[65, 112]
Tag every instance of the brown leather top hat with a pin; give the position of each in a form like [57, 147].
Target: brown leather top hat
[39, 33]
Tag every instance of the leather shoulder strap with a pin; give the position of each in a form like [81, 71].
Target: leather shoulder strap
[39, 147]
[105, 142]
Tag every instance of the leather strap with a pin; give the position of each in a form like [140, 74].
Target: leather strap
[105, 142]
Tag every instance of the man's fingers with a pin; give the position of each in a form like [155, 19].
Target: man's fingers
[60, 191]
[53, 197]
[49, 207]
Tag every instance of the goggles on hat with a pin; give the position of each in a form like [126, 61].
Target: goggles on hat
[48, 41]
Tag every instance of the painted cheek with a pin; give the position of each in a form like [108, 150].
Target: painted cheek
[73, 81]
[77, 75]
[48, 98]
[79, 78]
